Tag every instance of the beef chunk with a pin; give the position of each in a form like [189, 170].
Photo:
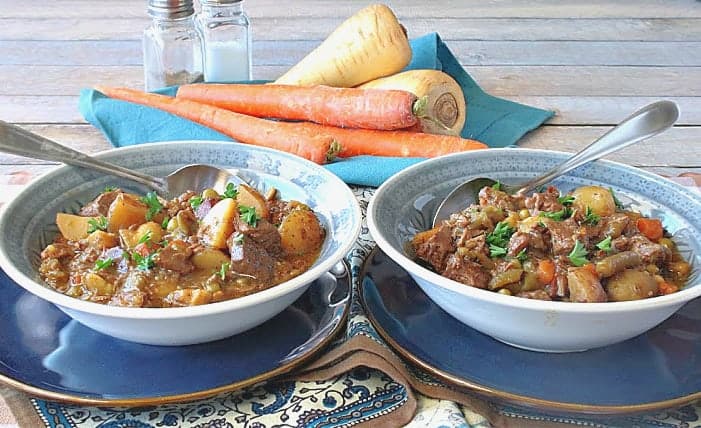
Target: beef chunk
[563, 236]
[176, 257]
[57, 250]
[544, 201]
[132, 293]
[649, 251]
[539, 238]
[278, 209]
[518, 242]
[101, 205]
[250, 258]
[434, 246]
[264, 233]
[466, 271]
[491, 196]
[614, 225]
[559, 287]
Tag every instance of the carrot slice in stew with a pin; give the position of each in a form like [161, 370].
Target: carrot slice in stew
[650, 227]
[546, 271]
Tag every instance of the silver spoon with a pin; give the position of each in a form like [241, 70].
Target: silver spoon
[197, 177]
[644, 123]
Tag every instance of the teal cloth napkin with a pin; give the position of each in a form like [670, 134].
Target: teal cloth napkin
[495, 121]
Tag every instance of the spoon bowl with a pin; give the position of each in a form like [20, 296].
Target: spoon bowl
[643, 124]
[196, 177]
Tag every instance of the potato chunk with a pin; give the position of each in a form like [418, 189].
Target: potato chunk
[631, 285]
[102, 240]
[300, 232]
[209, 259]
[218, 224]
[73, 227]
[597, 198]
[131, 238]
[250, 197]
[126, 210]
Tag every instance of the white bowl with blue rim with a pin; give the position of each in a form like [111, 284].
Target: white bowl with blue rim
[405, 203]
[27, 225]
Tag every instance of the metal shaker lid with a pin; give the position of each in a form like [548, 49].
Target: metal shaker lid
[172, 9]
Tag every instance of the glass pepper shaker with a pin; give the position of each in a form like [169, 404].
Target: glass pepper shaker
[226, 35]
[172, 46]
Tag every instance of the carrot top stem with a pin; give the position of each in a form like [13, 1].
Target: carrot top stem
[334, 149]
[420, 106]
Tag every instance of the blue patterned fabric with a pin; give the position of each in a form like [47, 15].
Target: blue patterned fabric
[360, 395]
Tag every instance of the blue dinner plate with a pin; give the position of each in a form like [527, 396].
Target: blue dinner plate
[45, 353]
[656, 370]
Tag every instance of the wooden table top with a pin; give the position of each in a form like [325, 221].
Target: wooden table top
[592, 62]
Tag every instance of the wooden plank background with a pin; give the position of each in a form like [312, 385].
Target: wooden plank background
[592, 62]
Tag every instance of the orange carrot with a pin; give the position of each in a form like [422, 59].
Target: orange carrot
[383, 109]
[650, 227]
[667, 288]
[591, 268]
[289, 137]
[546, 271]
[355, 142]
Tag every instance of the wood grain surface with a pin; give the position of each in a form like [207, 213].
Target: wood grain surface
[592, 62]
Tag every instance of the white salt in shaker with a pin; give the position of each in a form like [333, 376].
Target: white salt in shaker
[226, 36]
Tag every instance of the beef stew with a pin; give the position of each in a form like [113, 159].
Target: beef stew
[142, 251]
[582, 246]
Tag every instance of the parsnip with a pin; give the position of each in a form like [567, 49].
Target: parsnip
[368, 45]
[445, 109]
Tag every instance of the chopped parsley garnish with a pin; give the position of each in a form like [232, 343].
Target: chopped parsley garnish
[558, 215]
[578, 255]
[500, 235]
[196, 201]
[566, 200]
[154, 205]
[499, 239]
[109, 189]
[143, 262]
[164, 223]
[522, 256]
[590, 217]
[248, 214]
[103, 263]
[230, 191]
[97, 224]
[497, 185]
[222, 270]
[541, 224]
[605, 245]
[238, 238]
[495, 251]
[616, 201]
[146, 239]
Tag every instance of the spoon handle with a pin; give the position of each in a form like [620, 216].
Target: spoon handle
[644, 123]
[17, 141]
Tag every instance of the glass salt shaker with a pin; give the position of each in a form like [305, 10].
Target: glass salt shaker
[172, 46]
[226, 34]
